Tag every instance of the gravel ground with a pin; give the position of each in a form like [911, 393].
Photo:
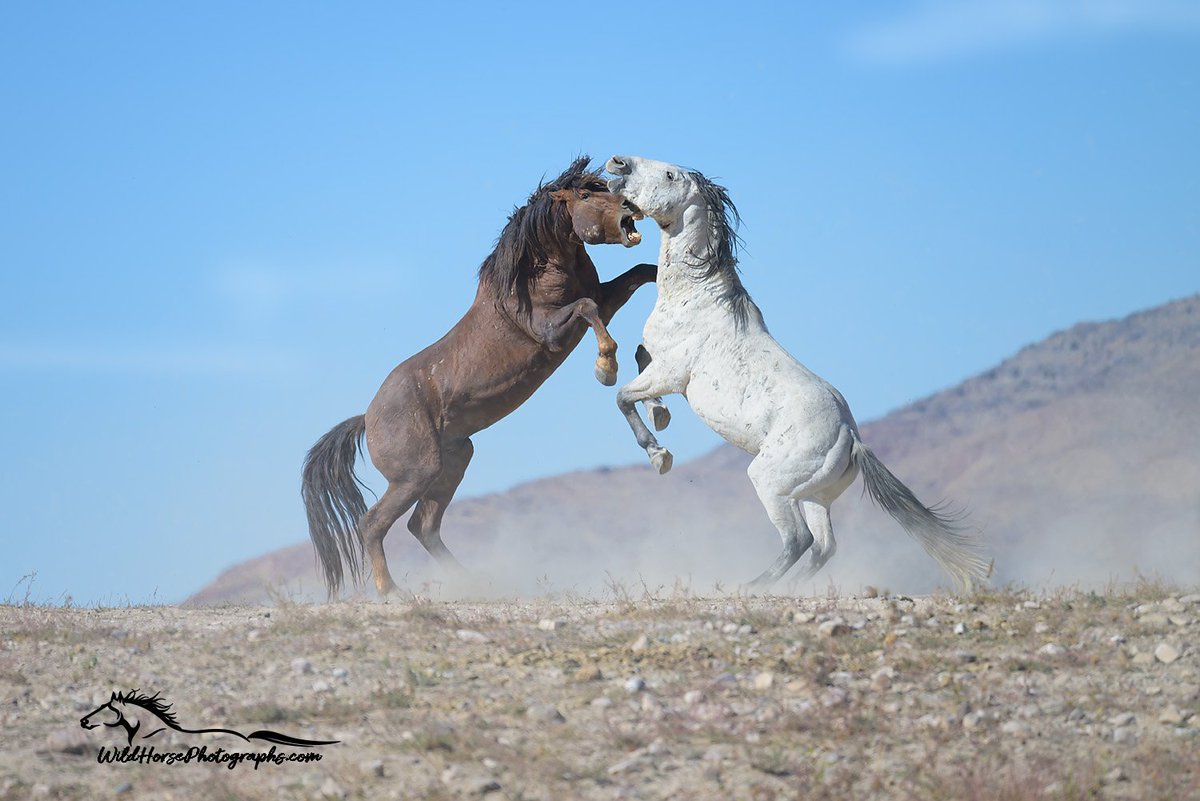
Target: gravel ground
[1002, 696]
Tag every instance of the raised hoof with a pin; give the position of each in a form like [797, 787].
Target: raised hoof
[660, 416]
[662, 460]
[606, 370]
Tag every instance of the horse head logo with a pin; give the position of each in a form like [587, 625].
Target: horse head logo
[131, 711]
[137, 712]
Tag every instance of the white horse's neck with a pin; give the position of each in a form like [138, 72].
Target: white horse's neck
[687, 250]
[686, 247]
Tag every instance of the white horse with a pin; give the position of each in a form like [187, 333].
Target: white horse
[706, 340]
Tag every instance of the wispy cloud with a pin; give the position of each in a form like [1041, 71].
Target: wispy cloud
[144, 359]
[937, 30]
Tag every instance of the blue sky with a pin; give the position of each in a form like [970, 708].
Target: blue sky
[223, 224]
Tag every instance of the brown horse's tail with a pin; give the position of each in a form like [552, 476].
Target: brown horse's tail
[334, 503]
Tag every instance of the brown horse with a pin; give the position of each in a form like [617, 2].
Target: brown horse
[538, 294]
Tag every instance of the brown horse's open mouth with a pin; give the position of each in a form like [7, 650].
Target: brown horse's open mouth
[630, 235]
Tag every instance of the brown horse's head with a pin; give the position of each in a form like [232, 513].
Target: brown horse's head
[599, 217]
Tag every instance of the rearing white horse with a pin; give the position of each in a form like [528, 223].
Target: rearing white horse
[706, 340]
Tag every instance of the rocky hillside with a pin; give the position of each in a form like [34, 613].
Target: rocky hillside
[1078, 460]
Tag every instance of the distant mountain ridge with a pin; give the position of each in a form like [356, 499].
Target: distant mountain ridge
[1078, 457]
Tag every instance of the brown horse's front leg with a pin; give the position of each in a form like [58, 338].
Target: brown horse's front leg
[616, 293]
[557, 328]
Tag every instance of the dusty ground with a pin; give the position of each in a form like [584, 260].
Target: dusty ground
[1002, 696]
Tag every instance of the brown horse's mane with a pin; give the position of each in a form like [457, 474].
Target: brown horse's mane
[531, 231]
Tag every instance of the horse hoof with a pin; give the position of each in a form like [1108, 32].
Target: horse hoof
[660, 416]
[662, 460]
[605, 377]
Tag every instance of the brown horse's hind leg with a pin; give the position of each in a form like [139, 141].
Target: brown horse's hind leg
[376, 523]
[426, 520]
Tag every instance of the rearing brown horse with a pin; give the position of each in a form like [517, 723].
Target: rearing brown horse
[538, 294]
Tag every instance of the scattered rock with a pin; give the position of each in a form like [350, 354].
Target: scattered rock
[1124, 735]
[330, 789]
[1052, 649]
[544, 713]
[652, 705]
[301, 665]
[803, 617]
[640, 644]
[468, 782]
[1155, 620]
[469, 635]
[372, 767]
[834, 696]
[1015, 728]
[881, 679]
[764, 681]
[73, 740]
[635, 684]
[628, 764]
[589, 673]
[834, 627]
[975, 719]
[551, 624]
[1166, 653]
[1171, 716]
[693, 697]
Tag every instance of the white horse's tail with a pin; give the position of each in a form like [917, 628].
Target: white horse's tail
[940, 533]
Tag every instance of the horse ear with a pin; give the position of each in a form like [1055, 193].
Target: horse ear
[114, 696]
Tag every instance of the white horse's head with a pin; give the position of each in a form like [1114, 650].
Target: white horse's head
[660, 190]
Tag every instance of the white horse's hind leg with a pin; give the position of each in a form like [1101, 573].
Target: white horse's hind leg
[775, 497]
[824, 545]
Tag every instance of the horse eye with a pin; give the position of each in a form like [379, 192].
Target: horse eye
[585, 195]
[670, 175]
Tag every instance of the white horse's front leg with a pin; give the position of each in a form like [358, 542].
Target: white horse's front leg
[648, 385]
[660, 415]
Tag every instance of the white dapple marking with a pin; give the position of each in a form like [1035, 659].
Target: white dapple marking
[707, 341]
